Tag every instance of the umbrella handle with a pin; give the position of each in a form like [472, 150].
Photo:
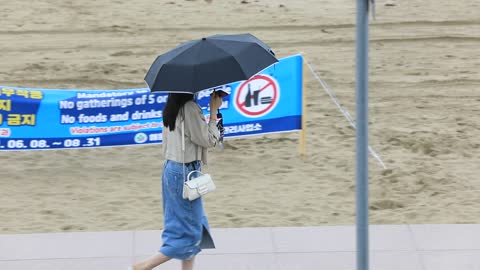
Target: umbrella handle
[220, 127]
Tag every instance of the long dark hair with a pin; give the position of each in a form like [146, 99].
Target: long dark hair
[174, 103]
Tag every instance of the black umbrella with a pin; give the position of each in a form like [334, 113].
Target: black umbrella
[208, 62]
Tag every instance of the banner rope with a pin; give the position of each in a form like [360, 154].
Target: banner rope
[344, 111]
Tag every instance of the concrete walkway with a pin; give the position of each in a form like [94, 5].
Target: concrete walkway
[393, 247]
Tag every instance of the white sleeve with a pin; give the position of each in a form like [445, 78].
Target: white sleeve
[201, 133]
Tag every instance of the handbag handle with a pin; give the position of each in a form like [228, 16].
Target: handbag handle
[183, 142]
[190, 173]
[183, 150]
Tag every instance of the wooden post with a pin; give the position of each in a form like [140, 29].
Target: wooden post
[303, 131]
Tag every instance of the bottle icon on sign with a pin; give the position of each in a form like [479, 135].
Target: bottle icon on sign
[249, 99]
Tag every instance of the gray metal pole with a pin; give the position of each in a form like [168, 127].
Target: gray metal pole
[362, 135]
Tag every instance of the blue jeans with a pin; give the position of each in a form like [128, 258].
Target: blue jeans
[186, 225]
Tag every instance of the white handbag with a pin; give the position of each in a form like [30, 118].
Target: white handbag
[196, 187]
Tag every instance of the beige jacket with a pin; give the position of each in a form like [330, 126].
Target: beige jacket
[198, 136]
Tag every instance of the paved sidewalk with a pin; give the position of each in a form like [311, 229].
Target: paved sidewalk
[402, 247]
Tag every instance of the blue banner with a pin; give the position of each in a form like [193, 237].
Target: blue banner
[269, 102]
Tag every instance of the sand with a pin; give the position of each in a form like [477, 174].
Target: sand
[424, 114]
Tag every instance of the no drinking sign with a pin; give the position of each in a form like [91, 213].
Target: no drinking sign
[257, 96]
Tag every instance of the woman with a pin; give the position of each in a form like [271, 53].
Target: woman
[186, 226]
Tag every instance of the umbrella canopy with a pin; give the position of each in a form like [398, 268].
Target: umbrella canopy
[208, 62]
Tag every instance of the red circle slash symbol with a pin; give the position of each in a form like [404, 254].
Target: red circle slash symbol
[257, 96]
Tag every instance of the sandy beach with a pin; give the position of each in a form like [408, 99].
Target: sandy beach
[424, 114]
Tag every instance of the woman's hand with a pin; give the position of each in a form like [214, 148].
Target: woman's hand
[215, 102]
